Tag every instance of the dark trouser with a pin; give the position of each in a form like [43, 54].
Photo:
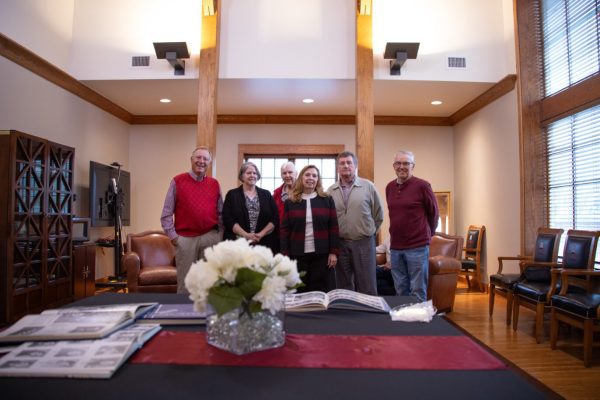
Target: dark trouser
[355, 269]
[318, 275]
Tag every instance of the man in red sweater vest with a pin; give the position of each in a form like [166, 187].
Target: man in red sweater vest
[413, 218]
[191, 215]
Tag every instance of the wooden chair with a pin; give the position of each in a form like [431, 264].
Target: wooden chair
[577, 308]
[545, 250]
[150, 263]
[471, 262]
[540, 280]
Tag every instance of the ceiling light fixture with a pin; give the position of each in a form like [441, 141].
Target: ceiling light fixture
[436, 102]
[165, 100]
[308, 101]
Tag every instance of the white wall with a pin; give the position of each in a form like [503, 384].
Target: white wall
[457, 28]
[287, 39]
[486, 176]
[107, 33]
[44, 27]
[434, 158]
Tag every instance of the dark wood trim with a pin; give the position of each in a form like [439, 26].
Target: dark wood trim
[18, 54]
[287, 119]
[501, 88]
[164, 119]
[408, 120]
[226, 119]
[288, 150]
[567, 102]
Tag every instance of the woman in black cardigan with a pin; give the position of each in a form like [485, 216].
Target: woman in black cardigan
[250, 212]
[309, 231]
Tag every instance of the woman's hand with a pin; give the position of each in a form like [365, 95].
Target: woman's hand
[332, 261]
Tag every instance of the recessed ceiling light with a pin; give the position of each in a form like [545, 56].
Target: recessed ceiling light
[308, 101]
[436, 102]
[165, 100]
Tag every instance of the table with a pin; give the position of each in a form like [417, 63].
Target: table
[146, 381]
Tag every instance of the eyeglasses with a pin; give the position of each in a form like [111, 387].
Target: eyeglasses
[402, 164]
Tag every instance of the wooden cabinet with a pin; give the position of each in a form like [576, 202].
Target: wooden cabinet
[84, 270]
[36, 212]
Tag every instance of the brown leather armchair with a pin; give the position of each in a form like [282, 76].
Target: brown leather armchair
[150, 263]
[445, 252]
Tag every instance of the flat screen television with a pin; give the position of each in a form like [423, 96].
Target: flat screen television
[103, 196]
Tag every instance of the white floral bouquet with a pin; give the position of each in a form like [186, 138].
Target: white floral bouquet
[237, 275]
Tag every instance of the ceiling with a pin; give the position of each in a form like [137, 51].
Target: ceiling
[284, 96]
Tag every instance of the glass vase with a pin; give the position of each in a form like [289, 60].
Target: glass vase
[241, 333]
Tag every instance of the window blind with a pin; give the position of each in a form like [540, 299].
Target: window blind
[570, 42]
[573, 154]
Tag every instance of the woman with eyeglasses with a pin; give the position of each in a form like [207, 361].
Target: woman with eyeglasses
[250, 212]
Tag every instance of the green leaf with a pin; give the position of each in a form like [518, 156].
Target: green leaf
[249, 281]
[225, 298]
[255, 307]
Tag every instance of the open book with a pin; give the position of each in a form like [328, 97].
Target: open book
[174, 314]
[75, 322]
[338, 298]
[76, 358]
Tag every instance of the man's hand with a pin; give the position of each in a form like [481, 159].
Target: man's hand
[174, 241]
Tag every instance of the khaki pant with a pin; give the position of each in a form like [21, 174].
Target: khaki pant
[190, 250]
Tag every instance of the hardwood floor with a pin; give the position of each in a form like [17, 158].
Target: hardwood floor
[561, 370]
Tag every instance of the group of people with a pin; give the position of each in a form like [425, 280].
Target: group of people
[330, 233]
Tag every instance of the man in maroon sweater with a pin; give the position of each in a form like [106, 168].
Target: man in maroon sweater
[413, 218]
[194, 202]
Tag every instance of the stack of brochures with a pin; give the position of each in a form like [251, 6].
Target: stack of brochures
[77, 342]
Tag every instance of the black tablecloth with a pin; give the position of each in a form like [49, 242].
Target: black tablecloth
[144, 381]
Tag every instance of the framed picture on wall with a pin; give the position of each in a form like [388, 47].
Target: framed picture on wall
[443, 201]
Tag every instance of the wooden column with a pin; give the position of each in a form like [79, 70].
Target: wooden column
[534, 211]
[365, 119]
[208, 77]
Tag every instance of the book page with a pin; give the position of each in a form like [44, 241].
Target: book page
[350, 299]
[76, 358]
[65, 325]
[318, 300]
[134, 309]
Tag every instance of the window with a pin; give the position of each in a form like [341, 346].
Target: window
[570, 35]
[570, 55]
[269, 157]
[270, 169]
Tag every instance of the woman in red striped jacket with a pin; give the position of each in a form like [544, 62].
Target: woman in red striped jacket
[309, 231]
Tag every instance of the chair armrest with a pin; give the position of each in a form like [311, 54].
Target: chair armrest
[526, 264]
[439, 265]
[131, 263]
[566, 273]
[511, 258]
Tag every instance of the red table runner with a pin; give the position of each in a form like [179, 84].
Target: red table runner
[327, 351]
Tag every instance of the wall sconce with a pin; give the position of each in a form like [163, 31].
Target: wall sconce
[399, 53]
[174, 52]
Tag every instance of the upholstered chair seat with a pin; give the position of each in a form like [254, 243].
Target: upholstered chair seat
[150, 263]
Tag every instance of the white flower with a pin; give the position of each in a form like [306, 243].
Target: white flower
[220, 267]
[271, 295]
[198, 281]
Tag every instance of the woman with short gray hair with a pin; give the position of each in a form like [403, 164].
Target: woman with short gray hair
[250, 212]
